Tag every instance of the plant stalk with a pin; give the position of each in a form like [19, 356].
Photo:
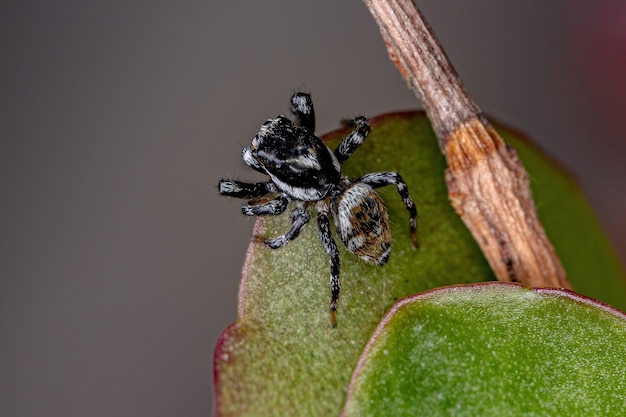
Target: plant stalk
[487, 184]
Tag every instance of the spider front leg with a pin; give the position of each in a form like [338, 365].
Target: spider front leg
[354, 139]
[240, 189]
[299, 218]
[303, 111]
[266, 205]
[380, 179]
[323, 229]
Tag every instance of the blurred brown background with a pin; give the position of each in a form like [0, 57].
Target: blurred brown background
[119, 263]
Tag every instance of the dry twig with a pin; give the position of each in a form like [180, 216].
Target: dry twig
[487, 183]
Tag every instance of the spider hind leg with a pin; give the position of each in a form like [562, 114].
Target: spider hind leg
[380, 179]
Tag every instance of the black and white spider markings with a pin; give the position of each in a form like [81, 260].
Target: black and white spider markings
[304, 170]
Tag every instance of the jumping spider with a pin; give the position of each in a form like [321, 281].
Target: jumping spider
[304, 170]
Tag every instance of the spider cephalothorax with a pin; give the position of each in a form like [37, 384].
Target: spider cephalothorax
[305, 171]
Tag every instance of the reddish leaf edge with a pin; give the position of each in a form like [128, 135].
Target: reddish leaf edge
[481, 286]
[218, 356]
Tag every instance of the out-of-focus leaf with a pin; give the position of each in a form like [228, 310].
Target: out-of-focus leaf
[589, 260]
[493, 349]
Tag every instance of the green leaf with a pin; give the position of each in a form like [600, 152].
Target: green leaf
[587, 256]
[493, 349]
[282, 357]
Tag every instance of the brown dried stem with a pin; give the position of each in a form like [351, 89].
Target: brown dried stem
[487, 184]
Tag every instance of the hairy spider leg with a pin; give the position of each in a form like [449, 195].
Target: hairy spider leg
[354, 139]
[381, 179]
[272, 207]
[303, 111]
[240, 189]
[299, 218]
[323, 229]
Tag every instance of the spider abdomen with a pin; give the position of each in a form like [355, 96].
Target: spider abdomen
[361, 222]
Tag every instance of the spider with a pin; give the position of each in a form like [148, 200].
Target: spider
[303, 170]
